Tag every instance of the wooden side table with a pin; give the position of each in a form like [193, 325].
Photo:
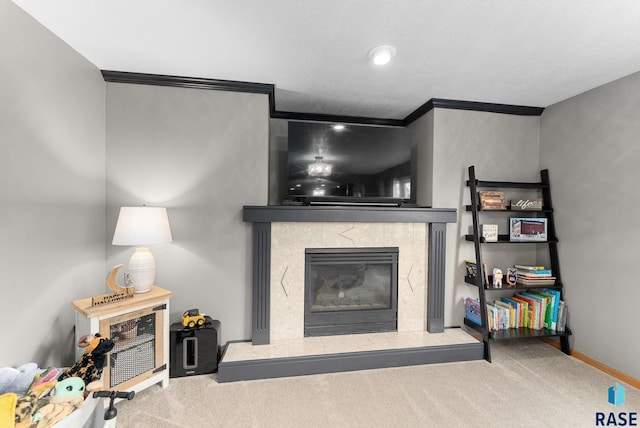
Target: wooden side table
[140, 329]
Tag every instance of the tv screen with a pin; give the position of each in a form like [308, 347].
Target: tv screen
[349, 163]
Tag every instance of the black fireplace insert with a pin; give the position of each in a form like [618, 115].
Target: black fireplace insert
[350, 290]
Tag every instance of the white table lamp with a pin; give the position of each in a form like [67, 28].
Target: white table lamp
[142, 226]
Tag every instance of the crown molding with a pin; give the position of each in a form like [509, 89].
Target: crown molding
[191, 82]
[336, 118]
[419, 112]
[269, 89]
[488, 107]
[473, 106]
[186, 82]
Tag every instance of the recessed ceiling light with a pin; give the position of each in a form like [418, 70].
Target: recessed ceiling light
[381, 55]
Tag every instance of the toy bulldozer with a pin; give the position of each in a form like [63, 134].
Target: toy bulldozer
[193, 317]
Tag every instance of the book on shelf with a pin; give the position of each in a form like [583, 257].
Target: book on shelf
[536, 320]
[556, 304]
[509, 315]
[491, 317]
[472, 310]
[548, 306]
[558, 310]
[529, 268]
[520, 311]
[528, 315]
[544, 317]
[552, 308]
[536, 282]
[498, 316]
[562, 317]
[534, 274]
[536, 309]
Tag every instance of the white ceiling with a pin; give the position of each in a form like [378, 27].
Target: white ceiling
[521, 52]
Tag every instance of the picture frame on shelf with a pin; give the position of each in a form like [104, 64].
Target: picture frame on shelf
[491, 200]
[528, 229]
[490, 232]
[471, 268]
[525, 204]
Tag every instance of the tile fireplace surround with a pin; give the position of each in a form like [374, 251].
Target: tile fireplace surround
[281, 235]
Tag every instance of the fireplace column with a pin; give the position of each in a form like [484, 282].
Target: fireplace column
[261, 283]
[435, 277]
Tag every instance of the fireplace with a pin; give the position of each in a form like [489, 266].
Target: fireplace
[282, 236]
[350, 290]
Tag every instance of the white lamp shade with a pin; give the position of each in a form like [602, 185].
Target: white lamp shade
[142, 226]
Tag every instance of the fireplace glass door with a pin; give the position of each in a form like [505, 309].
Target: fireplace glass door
[350, 290]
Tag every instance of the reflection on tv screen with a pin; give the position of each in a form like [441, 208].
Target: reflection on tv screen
[357, 161]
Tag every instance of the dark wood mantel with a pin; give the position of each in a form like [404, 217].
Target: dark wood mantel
[367, 214]
[263, 216]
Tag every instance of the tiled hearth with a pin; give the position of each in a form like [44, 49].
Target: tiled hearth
[279, 348]
[327, 345]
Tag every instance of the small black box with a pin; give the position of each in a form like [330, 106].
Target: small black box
[194, 351]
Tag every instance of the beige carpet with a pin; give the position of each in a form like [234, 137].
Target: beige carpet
[529, 384]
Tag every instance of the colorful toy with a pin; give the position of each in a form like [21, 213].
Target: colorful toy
[193, 317]
[26, 406]
[66, 397]
[89, 366]
[497, 278]
[8, 409]
[512, 276]
[17, 380]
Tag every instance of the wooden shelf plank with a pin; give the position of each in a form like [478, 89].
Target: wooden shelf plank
[510, 184]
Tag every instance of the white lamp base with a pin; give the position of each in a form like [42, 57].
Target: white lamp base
[142, 270]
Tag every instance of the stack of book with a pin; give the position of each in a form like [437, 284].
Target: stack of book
[536, 309]
[534, 276]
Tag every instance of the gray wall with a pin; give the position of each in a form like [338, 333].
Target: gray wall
[52, 166]
[203, 155]
[591, 145]
[502, 147]
[278, 173]
[422, 133]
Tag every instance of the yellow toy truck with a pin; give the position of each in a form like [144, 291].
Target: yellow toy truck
[192, 317]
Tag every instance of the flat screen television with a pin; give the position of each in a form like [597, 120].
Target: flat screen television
[349, 164]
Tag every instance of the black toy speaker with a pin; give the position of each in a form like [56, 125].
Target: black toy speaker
[194, 351]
